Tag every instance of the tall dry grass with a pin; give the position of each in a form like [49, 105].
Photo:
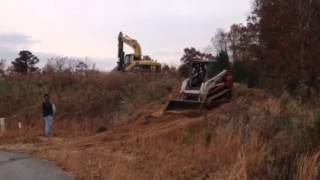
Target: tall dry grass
[255, 136]
[309, 167]
[83, 101]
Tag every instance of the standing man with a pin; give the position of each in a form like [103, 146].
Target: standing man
[48, 110]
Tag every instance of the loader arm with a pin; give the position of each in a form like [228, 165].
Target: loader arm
[210, 84]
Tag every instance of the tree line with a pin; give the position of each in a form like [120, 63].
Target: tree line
[26, 63]
[277, 48]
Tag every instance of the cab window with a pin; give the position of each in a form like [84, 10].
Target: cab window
[127, 60]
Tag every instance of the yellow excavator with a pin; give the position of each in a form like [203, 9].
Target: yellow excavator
[134, 62]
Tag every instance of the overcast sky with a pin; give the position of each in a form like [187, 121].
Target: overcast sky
[89, 28]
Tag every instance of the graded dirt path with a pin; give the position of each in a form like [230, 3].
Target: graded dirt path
[23, 167]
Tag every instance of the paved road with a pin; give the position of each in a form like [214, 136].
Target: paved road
[23, 167]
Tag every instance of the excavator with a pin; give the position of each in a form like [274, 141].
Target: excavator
[134, 62]
[204, 89]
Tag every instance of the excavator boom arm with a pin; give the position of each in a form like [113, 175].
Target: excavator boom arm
[134, 44]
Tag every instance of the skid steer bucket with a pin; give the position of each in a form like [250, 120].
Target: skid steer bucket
[182, 105]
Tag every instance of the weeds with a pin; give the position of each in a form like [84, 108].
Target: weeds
[96, 97]
[256, 136]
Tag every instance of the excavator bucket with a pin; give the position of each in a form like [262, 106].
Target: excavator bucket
[183, 105]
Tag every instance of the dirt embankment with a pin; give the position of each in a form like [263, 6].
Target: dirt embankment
[256, 136]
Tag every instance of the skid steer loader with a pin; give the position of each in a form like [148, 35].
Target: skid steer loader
[204, 89]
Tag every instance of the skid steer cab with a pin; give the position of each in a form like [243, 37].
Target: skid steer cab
[205, 88]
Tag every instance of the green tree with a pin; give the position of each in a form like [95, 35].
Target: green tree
[25, 63]
[2, 67]
[192, 54]
[82, 67]
[223, 60]
[184, 70]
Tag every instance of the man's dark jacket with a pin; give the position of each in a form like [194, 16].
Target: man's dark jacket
[47, 109]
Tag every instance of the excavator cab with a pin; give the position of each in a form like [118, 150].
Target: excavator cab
[128, 59]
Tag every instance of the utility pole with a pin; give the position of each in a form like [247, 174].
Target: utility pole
[2, 125]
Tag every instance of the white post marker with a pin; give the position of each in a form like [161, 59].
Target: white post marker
[2, 125]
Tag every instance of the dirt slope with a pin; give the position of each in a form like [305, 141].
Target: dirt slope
[243, 139]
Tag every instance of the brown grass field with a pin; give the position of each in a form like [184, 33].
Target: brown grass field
[113, 127]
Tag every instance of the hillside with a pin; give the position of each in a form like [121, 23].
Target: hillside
[255, 136]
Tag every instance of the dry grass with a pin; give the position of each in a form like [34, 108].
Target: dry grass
[309, 167]
[256, 136]
[84, 101]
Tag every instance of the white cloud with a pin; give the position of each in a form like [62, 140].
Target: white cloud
[13, 40]
[90, 27]
[11, 43]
